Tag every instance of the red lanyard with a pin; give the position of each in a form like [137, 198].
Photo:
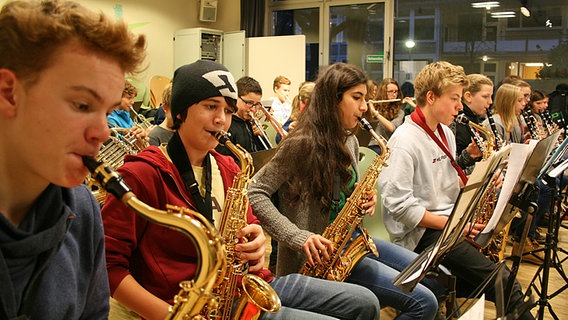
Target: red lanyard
[418, 117]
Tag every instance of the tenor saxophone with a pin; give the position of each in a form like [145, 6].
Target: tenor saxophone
[194, 294]
[256, 295]
[349, 251]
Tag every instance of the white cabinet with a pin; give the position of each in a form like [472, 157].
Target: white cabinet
[227, 48]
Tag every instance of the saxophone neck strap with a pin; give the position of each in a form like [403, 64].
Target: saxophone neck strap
[180, 159]
[418, 117]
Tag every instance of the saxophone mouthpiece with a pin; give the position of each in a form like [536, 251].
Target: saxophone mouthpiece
[365, 124]
[91, 163]
[108, 178]
[222, 136]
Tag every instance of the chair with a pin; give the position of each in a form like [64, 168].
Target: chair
[157, 85]
[375, 224]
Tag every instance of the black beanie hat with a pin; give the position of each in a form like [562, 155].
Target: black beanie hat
[198, 81]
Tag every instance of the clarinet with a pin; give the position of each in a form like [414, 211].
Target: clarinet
[548, 123]
[531, 123]
[498, 138]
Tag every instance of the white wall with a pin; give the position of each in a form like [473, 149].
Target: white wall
[269, 57]
[158, 20]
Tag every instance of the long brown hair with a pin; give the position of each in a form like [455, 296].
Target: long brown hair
[316, 146]
[388, 110]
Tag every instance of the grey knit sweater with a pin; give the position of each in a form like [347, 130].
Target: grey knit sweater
[290, 226]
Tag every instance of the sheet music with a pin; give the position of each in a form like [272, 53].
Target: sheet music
[476, 312]
[423, 267]
[517, 159]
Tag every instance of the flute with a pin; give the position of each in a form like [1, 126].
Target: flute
[383, 101]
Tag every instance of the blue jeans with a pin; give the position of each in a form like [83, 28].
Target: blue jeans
[377, 274]
[310, 298]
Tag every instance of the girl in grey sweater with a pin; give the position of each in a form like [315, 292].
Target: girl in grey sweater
[313, 173]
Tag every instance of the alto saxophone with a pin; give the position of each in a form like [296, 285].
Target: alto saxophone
[496, 246]
[256, 295]
[349, 251]
[195, 294]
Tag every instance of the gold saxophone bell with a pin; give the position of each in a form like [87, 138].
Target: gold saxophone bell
[495, 249]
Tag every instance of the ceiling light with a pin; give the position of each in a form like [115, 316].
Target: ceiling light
[525, 12]
[503, 14]
[485, 4]
[534, 64]
[525, 9]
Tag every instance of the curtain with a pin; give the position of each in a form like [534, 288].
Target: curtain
[252, 17]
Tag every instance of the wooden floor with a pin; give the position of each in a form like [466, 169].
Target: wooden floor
[557, 302]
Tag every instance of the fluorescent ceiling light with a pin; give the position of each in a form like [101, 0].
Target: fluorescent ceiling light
[534, 64]
[485, 4]
[503, 14]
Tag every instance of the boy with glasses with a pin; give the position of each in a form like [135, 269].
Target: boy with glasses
[243, 130]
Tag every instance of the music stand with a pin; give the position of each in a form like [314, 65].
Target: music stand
[551, 173]
[260, 158]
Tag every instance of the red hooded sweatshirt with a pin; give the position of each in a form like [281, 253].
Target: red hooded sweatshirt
[159, 258]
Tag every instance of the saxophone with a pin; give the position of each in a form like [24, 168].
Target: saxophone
[195, 294]
[496, 246]
[256, 295]
[342, 261]
[486, 146]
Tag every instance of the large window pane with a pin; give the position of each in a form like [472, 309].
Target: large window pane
[357, 36]
[532, 47]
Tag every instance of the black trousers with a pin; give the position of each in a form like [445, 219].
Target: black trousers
[471, 268]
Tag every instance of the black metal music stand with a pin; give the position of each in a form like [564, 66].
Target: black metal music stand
[551, 250]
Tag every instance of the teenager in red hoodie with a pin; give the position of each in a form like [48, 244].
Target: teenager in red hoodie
[146, 262]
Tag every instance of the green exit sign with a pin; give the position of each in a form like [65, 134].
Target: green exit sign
[375, 58]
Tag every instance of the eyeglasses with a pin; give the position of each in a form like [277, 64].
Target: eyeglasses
[251, 104]
[392, 91]
[527, 96]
